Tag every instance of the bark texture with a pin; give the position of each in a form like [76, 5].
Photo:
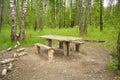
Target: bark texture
[13, 17]
[118, 50]
[22, 27]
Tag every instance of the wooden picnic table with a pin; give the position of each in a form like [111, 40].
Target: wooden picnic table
[64, 41]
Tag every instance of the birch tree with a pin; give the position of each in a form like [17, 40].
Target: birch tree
[23, 15]
[13, 19]
[41, 15]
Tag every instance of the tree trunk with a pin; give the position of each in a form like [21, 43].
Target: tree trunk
[55, 13]
[59, 14]
[87, 16]
[41, 15]
[64, 2]
[101, 13]
[1, 12]
[81, 28]
[118, 50]
[22, 27]
[13, 17]
[70, 14]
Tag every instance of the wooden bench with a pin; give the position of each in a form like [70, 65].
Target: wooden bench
[50, 50]
[77, 45]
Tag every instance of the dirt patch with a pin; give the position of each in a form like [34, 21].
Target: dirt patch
[89, 64]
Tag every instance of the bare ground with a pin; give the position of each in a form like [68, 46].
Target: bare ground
[89, 64]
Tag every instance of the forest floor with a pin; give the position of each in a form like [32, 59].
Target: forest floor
[89, 64]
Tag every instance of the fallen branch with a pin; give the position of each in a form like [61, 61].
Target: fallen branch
[9, 49]
[10, 66]
[18, 43]
[5, 61]
[4, 72]
[20, 54]
[21, 49]
[99, 41]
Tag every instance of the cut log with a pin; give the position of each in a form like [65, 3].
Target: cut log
[99, 41]
[9, 49]
[20, 54]
[15, 46]
[10, 66]
[18, 43]
[21, 49]
[4, 72]
[5, 61]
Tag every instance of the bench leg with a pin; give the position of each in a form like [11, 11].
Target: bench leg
[49, 42]
[61, 45]
[38, 49]
[77, 47]
[66, 48]
[50, 54]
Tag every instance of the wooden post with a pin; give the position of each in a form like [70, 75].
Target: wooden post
[49, 42]
[50, 54]
[66, 48]
[38, 49]
[61, 45]
[77, 47]
[118, 50]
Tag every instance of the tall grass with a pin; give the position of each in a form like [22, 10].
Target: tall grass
[31, 37]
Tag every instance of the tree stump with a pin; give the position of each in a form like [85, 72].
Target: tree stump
[118, 50]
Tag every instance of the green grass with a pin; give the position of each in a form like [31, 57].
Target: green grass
[108, 34]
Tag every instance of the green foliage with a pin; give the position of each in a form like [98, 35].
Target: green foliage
[112, 65]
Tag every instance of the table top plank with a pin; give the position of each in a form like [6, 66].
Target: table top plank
[60, 38]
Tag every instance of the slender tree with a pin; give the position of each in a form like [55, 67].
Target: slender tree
[1, 13]
[81, 28]
[23, 15]
[118, 50]
[101, 14]
[13, 17]
[87, 16]
[64, 3]
[41, 15]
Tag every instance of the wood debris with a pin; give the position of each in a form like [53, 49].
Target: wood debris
[21, 49]
[20, 54]
[10, 66]
[4, 72]
[9, 49]
[15, 46]
[18, 43]
[5, 61]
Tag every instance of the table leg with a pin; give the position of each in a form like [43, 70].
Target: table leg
[77, 47]
[49, 42]
[61, 45]
[66, 48]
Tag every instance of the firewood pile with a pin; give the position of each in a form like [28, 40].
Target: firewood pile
[7, 63]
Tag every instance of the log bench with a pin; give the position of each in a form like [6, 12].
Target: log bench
[77, 45]
[50, 50]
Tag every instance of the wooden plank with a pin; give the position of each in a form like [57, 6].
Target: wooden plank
[60, 38]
